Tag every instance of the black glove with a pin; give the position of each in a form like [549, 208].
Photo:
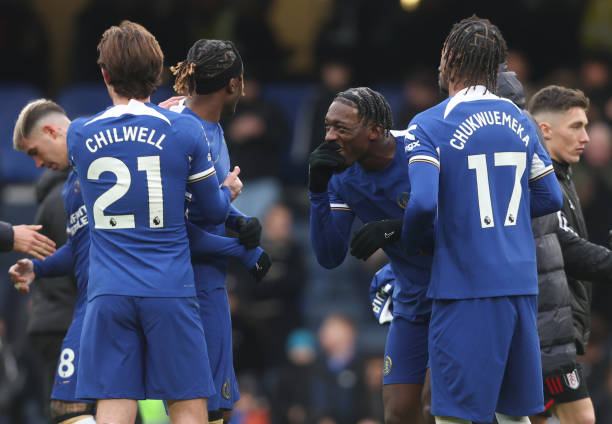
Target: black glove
[375, 235]
[249, 232]
[261, 267]
[323, 162]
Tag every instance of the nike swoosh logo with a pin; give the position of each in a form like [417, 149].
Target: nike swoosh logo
[389, 235]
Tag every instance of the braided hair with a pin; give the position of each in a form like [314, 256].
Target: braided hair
[372, 107]
[473, 51]
[206, 59]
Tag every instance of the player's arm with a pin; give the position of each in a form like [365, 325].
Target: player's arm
[60, 263]
[248, 228]
[6, 237]
[424, 174]
[583, 260]
[422, 208]
[331, 220]
[203, 182]
[544, 190]
[204, 244]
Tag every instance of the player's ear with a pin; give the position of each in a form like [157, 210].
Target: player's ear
[546, 129]
[105, 75]
[233, 86]
[375, 132]
[49, 130]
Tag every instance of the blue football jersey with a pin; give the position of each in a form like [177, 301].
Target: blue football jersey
[211, 273]
[73, 256]
[134, 162]
[78, 231]
[378, 195]
[488, 153]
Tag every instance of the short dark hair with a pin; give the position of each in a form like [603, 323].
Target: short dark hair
[472, 52]
[555, 98]
[30, 115]
[372, 107]
[205, 60]
[133, 59]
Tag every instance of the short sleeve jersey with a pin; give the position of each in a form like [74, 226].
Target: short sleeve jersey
[378, 195]
[134, 162]
[487, 152]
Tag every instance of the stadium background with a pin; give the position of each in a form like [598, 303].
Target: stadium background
[306, 345]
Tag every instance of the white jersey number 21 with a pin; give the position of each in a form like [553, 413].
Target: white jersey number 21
[148, 164]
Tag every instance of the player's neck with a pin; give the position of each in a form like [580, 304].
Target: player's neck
[380, 154]
[454, 88]
[207, 107]
[120, 100]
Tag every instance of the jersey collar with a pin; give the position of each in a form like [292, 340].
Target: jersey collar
[469, 94]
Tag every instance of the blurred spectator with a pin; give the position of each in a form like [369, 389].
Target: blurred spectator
[420, 92]
[23, 45]
[270, 309]
[336, 75]
[255, 135]
[597, 365]
[596, 84]
[338, 374]
[292, 401]
[596, 182]
[372, 407]
[252, 31]
[252, 408]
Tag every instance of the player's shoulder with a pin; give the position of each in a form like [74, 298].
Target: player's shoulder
[75, 130]
[430, 115]
[477, 98]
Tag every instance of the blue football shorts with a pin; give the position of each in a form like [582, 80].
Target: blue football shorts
[64, 385]
[217, 323]
[406, 351]
[143, 348]
[485, 358]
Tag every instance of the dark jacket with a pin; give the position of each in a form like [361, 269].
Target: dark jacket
[584, 261]
[555, 322]
[6, 237]
[52, 298]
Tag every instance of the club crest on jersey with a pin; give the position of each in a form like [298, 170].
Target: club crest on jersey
[387, 365]
[572, 380]
[225, 390]
[402, 200]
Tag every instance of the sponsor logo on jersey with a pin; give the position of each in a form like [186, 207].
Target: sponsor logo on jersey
[225, 390]
[402, 200]
[572, 380]
[410, 147]
[387, 365]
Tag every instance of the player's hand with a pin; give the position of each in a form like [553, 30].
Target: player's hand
[22, 274]
[233, 182]
[322, 163]
[249, 231]
[172, 101]
[375, 235]
[28, 240]
[261, 268]
[382, 303]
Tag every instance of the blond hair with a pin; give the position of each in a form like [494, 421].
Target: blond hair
[30, 116]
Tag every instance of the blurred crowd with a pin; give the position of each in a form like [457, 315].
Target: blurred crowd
[306, 347]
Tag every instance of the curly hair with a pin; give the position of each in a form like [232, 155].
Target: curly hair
[472, 52]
